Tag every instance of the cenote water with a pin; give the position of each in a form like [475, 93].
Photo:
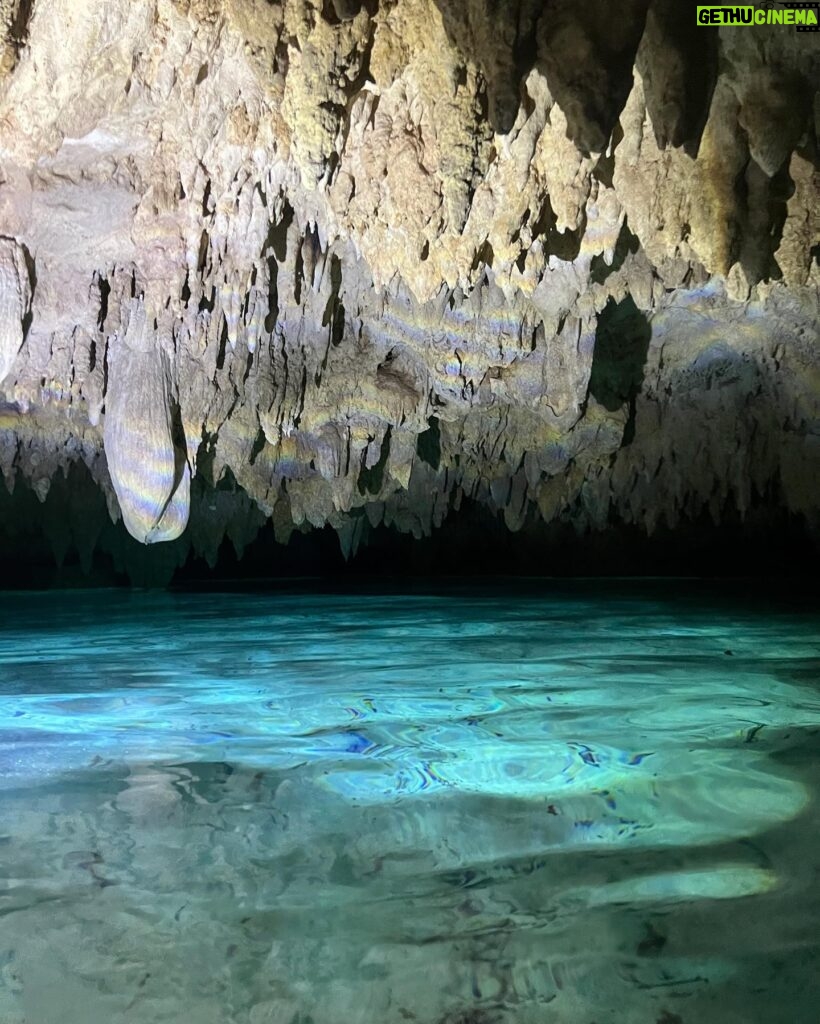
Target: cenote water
[577, 805]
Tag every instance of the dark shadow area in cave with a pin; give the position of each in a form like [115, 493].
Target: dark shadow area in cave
[678, 64]
[765, 206]
[621, 346]
[335, 12]
[585, 53]
[627, 244]
[69, 541]
[18, 28]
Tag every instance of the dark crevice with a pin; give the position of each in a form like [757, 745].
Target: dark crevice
[206, 200]
[762, 202]
[226, 484]
[621, 347]
[248, 367]
[334, 314]
[258, 445]
[298, 275]
[272, 314]
[180, 446]
[476, 33]
[566, 245]
[223, 346]
[428, 444]
[278, 234]
[105, 291]
[18, 30]
[371, 480]
[31, 269]
[202, 257]
[585, 52]
[335, 12]
[627, 244]
[483, 257]
[604, 170]
[207, 303]
[269, 250]
[678, 63]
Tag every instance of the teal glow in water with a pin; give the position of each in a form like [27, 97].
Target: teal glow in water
[456, 809]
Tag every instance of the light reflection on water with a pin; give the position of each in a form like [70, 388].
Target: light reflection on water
[586, 805]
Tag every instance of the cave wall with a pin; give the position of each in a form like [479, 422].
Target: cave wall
[371, 259]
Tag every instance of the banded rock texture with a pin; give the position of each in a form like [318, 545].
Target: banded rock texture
[151, 476]
[15, 299]
[368, 258]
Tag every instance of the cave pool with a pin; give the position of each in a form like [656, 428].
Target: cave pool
[543, 803]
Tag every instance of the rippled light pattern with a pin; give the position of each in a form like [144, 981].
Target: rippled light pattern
[512, 806]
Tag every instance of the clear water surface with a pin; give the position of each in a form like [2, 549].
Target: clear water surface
[596, 804]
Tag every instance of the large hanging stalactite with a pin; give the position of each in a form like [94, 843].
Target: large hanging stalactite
[15, 302]
[149, 470]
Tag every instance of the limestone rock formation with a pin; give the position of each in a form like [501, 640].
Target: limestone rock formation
[15, 298]
[369, 258]
[151, 476]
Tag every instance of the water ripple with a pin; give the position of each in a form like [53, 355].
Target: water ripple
[598, 805]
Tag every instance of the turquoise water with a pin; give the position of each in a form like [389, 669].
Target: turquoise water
[596, 804]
